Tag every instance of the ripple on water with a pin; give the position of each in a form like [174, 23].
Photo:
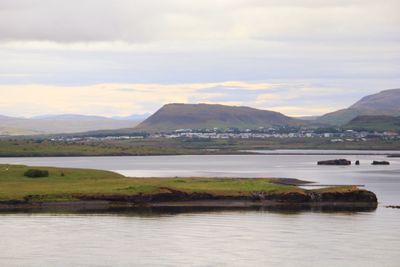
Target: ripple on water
[203, 239]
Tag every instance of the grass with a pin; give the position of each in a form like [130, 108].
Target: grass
[35, 148]
[65, 184]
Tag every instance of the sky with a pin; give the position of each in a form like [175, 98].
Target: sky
[121, 57]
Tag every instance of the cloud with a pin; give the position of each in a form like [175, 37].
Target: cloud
[101, 99]
[187, 63]
[179, 41]
[131, 56]
[294, 98]
[155, 20]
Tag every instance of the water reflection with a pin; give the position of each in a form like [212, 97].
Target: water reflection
[202, 238]
[175, 210]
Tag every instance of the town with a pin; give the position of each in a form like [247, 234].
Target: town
[334, 134]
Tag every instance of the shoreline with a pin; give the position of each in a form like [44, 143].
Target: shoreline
[387, 153]
[339, 152]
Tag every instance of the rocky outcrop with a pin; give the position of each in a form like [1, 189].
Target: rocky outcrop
[352, 196]
[337, 197]
[171, 195]
[335, 162]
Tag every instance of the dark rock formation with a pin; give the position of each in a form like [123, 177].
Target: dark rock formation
[393, 207]
[290, 197]
[335, 162]
[171, 195]
[352, 196]
[383, 162]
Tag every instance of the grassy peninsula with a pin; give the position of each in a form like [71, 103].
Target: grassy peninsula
[71, 184]
[77, 185]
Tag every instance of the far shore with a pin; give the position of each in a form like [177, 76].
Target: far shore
[338, 152]
[154, 147]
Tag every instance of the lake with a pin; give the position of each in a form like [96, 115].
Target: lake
[215, 238]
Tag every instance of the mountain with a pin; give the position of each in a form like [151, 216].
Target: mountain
[383, 103]
[65, 123]
[70, 117]
[375, 123]
[137, 117]
[177, 116]
[6, 131]
[308, 118]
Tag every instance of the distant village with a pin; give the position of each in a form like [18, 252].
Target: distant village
[334, 134]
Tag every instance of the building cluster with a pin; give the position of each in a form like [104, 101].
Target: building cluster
[335, 136]
[96, 138]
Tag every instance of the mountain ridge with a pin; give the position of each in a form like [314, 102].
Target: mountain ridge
[386, 102]
[63, 123]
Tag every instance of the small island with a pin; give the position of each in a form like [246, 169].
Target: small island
[38, 187]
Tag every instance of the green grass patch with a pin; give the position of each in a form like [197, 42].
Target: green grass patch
[64, 184]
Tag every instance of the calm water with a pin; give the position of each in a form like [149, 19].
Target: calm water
[223, 238]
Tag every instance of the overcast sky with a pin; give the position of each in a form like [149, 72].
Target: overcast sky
[120, 57]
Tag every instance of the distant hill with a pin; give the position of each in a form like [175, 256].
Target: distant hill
[6, 131]
[383, 103]
[375, 123]
[308, 118]
[66, 123]
[178, 116]
[136, 117]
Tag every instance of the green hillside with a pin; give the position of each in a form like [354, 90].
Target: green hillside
[375, 123]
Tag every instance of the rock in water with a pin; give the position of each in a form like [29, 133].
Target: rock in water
[383, 162]
[393, 207]
[335, 162]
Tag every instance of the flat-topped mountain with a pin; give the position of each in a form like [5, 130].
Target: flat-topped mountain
[383, 103]
[177, 116]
